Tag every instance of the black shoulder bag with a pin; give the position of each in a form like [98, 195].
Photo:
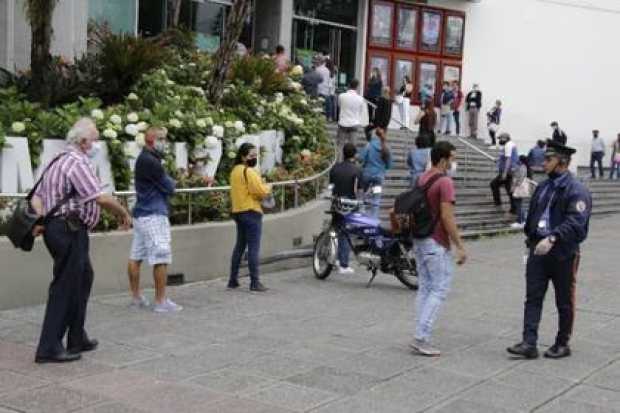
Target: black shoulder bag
[24, 218]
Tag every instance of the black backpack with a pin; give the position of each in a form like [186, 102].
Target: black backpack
[412, 215]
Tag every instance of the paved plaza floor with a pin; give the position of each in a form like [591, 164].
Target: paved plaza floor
[332, 346]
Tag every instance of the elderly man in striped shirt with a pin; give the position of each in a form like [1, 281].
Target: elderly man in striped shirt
[71, 176]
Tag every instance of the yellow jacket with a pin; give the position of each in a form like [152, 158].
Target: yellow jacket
[246, 194]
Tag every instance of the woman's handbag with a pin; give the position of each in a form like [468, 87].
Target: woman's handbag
[524, 189]
[268, 203]
[24, 218]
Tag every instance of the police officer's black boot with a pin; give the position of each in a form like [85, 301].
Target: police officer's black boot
[524, 350]
[557, 351]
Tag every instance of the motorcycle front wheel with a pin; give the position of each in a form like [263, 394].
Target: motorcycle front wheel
[406, 272]
[323, 255]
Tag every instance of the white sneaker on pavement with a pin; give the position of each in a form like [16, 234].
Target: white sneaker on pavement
[140, 302]
[345, 270]
[168, 306]
[424, 348]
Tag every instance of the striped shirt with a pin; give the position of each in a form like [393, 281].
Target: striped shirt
[73, 171]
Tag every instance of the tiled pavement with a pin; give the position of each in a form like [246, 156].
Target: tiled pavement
[331, 347]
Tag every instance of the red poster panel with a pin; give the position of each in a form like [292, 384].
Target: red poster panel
[381, 24]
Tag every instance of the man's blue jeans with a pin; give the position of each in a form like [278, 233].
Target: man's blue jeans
[435, 269]
[249, 228]
[373, 199]
[343, 251]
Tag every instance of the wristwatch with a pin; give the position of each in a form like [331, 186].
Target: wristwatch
[553, 239]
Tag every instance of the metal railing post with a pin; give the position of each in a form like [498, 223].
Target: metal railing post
[296, 195]
[283, 198]
[189, 209]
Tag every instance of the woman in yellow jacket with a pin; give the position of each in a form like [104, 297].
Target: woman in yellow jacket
[247, 189]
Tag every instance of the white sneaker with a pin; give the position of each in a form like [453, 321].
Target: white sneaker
[140, 302]
[345, 270]
[168, 306]
[424, 348]
[517, 225]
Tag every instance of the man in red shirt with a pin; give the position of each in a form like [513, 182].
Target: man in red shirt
[433, 256]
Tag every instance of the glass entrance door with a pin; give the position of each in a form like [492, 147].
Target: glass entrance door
[311, 38]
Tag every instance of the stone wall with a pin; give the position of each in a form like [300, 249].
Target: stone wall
[200, 252]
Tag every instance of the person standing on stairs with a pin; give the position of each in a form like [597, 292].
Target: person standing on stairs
[352, 107]
[473, 103]
[383, 113]
[615, 159]
[446, 109]
[507, 163]
[456, 106]
[427, 119]
[597, 154]
[419, 159]
[494, 117]
[558, 134]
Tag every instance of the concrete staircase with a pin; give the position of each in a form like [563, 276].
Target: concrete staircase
[477, 216]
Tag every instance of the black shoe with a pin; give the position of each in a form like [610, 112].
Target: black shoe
[88, 345]
[258, 288]
[524, 350]
[232, 285]
[63, 357]
[557, 351]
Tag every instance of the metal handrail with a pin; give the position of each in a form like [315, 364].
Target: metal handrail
[296, 183]
[475, 148]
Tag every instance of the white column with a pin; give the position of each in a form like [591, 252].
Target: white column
[285, 36]
[362, 35]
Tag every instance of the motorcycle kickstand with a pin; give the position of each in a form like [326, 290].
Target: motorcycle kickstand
[374, 274]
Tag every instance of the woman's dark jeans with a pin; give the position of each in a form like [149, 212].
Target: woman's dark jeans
[249, 228]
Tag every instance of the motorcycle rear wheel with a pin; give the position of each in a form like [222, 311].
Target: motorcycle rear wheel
[407, 273]
[320, 257]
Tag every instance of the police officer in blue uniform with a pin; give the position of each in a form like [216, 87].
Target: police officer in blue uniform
[557, 223]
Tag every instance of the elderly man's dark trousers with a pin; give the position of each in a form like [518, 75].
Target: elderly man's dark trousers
[69, 290]
[562, 273]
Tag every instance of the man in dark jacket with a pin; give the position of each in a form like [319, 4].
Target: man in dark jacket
[311, 81]
[557, 223]
[151, 237]
[558, 134]
[473, 103]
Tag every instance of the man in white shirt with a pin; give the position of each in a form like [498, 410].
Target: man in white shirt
[323, 71]
[597, 154]
[352, 107]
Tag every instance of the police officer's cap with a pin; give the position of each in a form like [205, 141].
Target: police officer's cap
[554, 123]
[557, 149]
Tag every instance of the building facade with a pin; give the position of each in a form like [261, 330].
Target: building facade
[545, 59]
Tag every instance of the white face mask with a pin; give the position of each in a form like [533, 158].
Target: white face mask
[160, 146]
[93, 151]
[452, 171]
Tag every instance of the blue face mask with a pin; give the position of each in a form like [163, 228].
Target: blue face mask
[161, 146]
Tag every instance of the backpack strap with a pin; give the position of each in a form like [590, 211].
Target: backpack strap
[36, 185]
[431, 181]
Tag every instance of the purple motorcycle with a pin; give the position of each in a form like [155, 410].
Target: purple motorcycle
[374, 247]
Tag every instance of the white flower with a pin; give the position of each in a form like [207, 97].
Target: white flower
[132, 96]
[209, 121]
[176, 97]
[18, 127]
[240, 126]
[201, 123]
[109, 133]
[169, 82]
[211, 142]
[303, 102]
[306, 153]
[198, 90]
[163, 72]
[296, 138]
[218, 131]
[229, 124]
[139, 139]
[97, 114]
[297, 71]
[132, 129]
[232, 155]
[142, 126]
[279, 97]
[175, 123]
[116, 120]
[192, 64]
[296, 86]
[133, 117]
[178, 114]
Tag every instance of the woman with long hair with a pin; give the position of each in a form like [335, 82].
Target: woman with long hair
[427, 119]
[404, 99]
[247, 190]
[383, 112]
[418, 159]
